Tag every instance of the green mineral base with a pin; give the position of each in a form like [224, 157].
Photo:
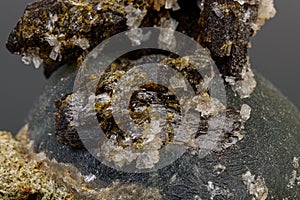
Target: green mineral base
[272, 141]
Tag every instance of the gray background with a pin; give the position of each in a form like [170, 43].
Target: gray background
[275, 53]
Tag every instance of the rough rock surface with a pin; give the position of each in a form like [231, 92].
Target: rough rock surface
[26, 175]
[61, 31]
[23, 175]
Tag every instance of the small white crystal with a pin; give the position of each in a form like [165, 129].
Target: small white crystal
[26, 60]
[117, 154]
[147, 160]
[201, 4]
[172, 4]
[32, 58]
[51, 23]
[55, 52]
[217, 10]
[135, 35]
[230, 80]
[90, 178]
[245, 112]
[134, 16]
[82, 43]
[246, 86]
[99, 6]
[247, 15]
[168, 4]
[53, 18]
[175, 6]
[196, 197]
[293, 179]
[219, 169]
[52, 40]
[207, 105]
[295, 162]
[103, 98]
[37, 61]
[178, 82]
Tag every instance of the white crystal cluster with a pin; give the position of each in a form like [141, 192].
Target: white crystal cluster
[134, 17]
[56, 44]
[266, 10]
[78, 110]
[246, 86]
[145, 158]
[57, 41]
[178, 82]
[52, 20]
[172, 4]
[32, 58]
[295, 177]
[74, 108]
[166, 39]
[83, 43]
[219, 125]
[255, 186]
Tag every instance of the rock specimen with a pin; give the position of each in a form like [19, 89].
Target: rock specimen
[61, 31]
[23, 175]
[269, 146]
[26, 175]
[232, 149]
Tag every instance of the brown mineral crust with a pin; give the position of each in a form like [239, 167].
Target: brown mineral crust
[152, 95]
[226, 27]
[75, 19]
[223, 26]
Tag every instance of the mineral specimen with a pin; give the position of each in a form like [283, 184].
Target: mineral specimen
[22, 177]
[224, 141]
[125, 147]
[61, 31]
[26, 175]
[188, 177]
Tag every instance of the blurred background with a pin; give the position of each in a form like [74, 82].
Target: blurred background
[275, 53]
